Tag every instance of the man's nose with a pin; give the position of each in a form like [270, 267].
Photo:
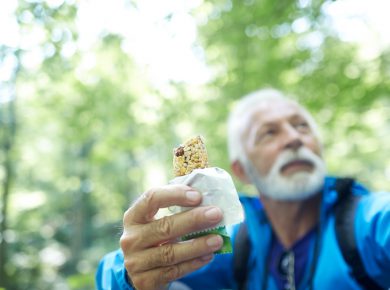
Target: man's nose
[293, 138]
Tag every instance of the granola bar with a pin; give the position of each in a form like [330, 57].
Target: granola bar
[189, 156]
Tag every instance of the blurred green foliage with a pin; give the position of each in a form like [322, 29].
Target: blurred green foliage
[90, 131]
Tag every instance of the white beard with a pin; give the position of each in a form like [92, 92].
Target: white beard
[298, 186]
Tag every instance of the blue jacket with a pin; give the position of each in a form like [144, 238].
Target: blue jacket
[372, 231]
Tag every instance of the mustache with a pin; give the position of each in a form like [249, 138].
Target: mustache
[302, 155]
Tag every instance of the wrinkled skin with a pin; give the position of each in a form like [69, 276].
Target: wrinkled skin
[153, 256]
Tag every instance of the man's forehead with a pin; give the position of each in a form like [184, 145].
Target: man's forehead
[272, 111]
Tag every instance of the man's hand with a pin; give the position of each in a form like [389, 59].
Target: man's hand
[153, 255]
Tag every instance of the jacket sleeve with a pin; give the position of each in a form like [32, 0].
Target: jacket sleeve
[372, 232]
[111, 273]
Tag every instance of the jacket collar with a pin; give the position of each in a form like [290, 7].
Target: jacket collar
[329, 198]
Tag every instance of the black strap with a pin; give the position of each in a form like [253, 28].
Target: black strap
[241, 256]
[344, 226]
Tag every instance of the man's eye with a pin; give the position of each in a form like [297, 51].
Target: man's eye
[302, 126]
[265, 134]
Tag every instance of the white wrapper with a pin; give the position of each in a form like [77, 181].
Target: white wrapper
[217, 188]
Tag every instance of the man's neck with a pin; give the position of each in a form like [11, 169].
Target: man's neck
[292, 220]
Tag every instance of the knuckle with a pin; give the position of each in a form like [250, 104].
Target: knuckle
[123, 242]
[150, 195]
[139, 282]
[167, 254]
[128, 241]
[150, 199]
[131, 265]
[144, 282]
[170, 273]
[164, 227]
[128, 214]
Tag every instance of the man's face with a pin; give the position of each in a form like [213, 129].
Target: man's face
[283, 150]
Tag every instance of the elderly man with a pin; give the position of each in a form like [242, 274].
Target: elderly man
[291, 229]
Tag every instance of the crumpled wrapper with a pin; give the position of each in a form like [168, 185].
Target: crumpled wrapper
[217, 189]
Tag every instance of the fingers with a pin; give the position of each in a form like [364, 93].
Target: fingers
[178, 225]
[171, 254]
[145, 208]
[153, 279]
[139, 237]
[152, 256]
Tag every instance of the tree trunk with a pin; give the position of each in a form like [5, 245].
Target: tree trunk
[8, 125]
[82, 208]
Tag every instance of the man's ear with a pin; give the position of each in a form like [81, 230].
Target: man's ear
[239, 171]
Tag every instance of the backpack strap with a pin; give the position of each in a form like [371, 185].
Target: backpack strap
[345, 232]
[241, 256]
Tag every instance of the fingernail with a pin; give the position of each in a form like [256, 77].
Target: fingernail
[213, 213]
[214, 242]
[193, 195]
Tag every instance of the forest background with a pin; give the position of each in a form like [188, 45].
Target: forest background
[95, 94]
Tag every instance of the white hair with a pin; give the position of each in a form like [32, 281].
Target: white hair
[243, 109]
